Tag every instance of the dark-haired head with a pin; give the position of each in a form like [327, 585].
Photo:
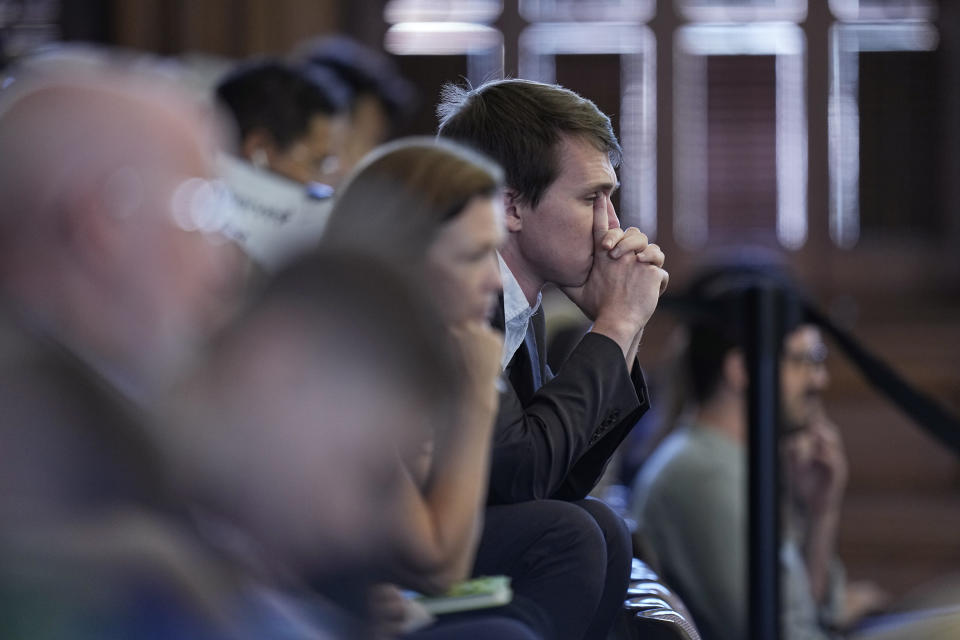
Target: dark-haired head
[363, 70]
[285, 116]
[520, 124]
[380, 99]
[713, 308]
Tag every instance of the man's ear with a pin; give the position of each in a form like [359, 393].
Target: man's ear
[735, 370]
[513, 209]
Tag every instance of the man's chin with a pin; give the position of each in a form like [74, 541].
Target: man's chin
[796, 420]
[577, 280]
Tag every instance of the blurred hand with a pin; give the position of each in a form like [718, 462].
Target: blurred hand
[861, 599]
[818, 466]
[392, 614]
[481, 348]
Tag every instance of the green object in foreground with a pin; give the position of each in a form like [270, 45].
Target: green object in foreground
[477, 593]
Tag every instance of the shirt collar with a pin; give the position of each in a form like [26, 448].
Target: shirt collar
[516, 313]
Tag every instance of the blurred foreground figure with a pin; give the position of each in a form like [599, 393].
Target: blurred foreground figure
[285, 440]
[111, 276]
[109, 230]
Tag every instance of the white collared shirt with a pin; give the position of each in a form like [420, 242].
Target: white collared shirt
[516, 313]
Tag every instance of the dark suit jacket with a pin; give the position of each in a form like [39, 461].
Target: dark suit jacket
[555, 442]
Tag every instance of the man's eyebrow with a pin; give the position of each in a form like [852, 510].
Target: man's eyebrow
[607, 187]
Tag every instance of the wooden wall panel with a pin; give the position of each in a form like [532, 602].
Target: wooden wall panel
[224, 27]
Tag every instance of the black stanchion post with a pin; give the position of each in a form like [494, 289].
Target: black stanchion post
[763, 313]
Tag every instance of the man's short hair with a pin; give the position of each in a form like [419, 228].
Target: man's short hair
[280, 98]
[716, 325]
[520, 123]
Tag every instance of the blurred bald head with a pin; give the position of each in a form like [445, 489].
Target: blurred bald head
[109, 232]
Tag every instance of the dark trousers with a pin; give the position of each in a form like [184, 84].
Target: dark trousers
[480, 626]
[569, 563]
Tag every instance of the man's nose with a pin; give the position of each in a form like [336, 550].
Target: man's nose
[613, 222]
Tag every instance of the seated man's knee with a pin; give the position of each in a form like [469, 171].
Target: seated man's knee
[614, 528]
[574, 530]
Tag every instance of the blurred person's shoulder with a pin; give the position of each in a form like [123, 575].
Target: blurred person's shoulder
[34, 363]
[64, 421]
[692, 456]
